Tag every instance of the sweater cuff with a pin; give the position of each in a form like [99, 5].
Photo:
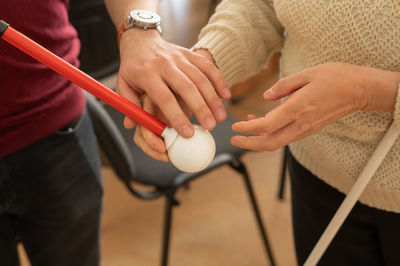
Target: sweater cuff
[397, 110]
[226, 51]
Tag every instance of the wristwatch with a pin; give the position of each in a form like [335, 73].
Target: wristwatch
[141, 19]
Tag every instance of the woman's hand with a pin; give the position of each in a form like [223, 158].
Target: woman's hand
[319, 96]
[166, 72]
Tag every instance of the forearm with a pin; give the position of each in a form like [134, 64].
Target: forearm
[241, 35]
[119, 9]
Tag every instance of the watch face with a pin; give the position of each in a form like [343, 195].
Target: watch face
[145, 17]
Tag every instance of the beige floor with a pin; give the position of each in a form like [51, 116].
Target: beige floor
[214, 225]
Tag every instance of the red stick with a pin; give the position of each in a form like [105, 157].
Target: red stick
[83, 80]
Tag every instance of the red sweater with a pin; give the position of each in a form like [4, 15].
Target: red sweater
[34, 100]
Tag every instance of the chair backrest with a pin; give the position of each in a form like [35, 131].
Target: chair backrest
[99, 53]
[110, 138]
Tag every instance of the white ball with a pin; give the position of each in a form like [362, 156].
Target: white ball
[190, 154]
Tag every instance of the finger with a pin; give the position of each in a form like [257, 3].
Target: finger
[211, 71]
[152, 139]
[288, 134]
[254, 143]
[206, 90]
[127, 92]
[254, 126]
[188, 91]
[271, 142]
[288, 85]
[251, 117]
[167, 103]
[129, 123]
[271, 122]
[148, 147]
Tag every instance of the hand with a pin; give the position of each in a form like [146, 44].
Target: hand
[165, 72]
[319, 96]
[149, 142]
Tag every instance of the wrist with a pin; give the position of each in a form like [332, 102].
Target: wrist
[139, 37]
[140, 19]
[384, 91]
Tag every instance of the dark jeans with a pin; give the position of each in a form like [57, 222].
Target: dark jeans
[51, 199]
[368, 236]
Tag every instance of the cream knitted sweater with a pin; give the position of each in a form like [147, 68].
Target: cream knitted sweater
[241, 36]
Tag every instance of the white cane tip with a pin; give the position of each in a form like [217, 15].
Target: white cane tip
[191, 154]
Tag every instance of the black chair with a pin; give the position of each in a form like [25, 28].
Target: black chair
[99, 53]
[132, 166]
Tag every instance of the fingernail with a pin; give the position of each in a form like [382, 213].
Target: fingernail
[227, 92]
[234, 126]
[210, 122]
[186, 131]
[220, 114]
[269, 92]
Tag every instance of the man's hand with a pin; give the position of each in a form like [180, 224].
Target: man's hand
[150, 143]
[319, 96]
[168, 73]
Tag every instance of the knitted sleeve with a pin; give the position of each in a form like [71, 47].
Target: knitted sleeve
[241, 35]
[397, 110]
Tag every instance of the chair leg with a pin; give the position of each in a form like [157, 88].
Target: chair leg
[170, 203]
[239, 166]
[283, 173]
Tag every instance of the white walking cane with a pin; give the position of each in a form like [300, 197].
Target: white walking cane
[352, 197]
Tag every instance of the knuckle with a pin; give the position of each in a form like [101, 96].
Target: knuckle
[178, 121]
[201, 110]
[281, 84]
[273, 146]
[201, 81]
[215, 103]
[162, 60]
[165, 97]
[187, 91]
[208, 64]
[304, 127]
[305, 110]
[144, 69]
[268, 128]
[310, 127]
[188, 87]
[137, 66]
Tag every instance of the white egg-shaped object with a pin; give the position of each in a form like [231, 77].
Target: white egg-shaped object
[190, 154]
